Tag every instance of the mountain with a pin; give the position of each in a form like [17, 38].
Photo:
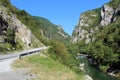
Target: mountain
[51, 31]
[92, 20]
[13, 33]
[87, 25]
[98, 35]
[20, 30]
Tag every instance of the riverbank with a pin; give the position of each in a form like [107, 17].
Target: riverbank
[95, 73]
[117, 75]
[87, 77]
[82, 67]
[110, 70]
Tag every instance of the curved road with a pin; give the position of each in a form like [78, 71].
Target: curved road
[6, 73]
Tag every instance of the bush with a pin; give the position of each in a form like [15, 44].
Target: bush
[58, 51]
[114, 3]
[103, 68]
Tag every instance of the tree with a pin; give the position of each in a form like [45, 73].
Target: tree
[59, 52]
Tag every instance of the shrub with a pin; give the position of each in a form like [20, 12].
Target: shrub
[59, 52]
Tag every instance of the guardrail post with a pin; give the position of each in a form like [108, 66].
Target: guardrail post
[19, 56]
[29, 54]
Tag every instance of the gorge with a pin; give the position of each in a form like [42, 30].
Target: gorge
[97, 35]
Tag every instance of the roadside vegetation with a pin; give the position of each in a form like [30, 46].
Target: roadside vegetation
[46, 68]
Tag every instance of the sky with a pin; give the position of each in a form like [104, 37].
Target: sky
[60, 12]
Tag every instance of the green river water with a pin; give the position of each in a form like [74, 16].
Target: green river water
[95, 73]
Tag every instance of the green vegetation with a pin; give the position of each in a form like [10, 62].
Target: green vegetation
[60, 61]
[5, 2]
[45, 68]
[59, 52]
[62, 57]
[5, 47]
[10, 36]
[105, 50]
[65, 54]
[42, 28]
[50, 30]
[114, 3]
[92, 18]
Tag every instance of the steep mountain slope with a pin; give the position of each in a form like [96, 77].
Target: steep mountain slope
[90, 21]
[98, 33]
[87, 25]
[42, 28]
[14, 34]
[20, 30]
[52, 31]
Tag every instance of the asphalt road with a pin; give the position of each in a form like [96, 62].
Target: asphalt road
[24, 53]
[7, 73]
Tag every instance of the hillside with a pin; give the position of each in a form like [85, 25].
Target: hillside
[52, 31]
[98, 35]
[13, 33]
[20, 30]
[45, 28]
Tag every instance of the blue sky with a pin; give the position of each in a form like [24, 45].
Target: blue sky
[62, 12]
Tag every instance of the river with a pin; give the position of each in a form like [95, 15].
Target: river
[95, 73]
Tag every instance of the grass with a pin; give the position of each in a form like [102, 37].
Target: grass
[46, 68]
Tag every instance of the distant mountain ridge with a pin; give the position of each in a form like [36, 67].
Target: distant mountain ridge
[52, 31]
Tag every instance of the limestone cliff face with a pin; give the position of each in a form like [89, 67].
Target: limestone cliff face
[109, 14]
[21, 34]
[90, 21]
[85, 27]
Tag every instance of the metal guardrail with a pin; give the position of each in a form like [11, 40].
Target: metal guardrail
[21, 54]
[28, 52]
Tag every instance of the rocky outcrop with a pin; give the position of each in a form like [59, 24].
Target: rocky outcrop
[91, 20]
[87, 77]
[85, 28]
[22, 34]
[3, 29]
[107, 15]
[61, 31]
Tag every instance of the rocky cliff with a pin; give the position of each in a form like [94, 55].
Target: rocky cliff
[85, 27]
[19, 29]
[90, 21]
[14, 31]
[98, 35]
